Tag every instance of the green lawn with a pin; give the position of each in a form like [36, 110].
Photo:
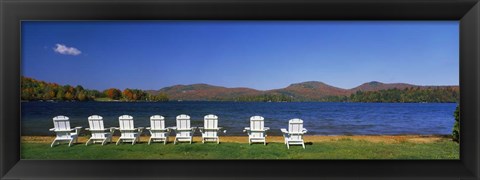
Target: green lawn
[103, 99]
[340, 149]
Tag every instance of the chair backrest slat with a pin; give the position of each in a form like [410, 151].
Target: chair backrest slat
[157, 122]
[257, 123]
[295, 125]
[210, 121]
[183, 121]
[95, 122]
[126, 122]
[61, 123]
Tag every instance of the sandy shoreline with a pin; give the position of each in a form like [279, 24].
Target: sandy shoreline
[314, 138]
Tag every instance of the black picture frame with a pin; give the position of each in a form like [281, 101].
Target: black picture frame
[12, 12]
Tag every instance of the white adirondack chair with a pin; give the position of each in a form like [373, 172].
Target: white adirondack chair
[61, 127]
[257, 132]
[210, 130]
[183, 130]
[98, 131]
[295, 132]
[127, 130]
[158, 130]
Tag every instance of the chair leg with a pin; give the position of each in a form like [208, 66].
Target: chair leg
[150, 140]
[218, 140]
[118, 141]
[53, 143]
[71, 141]
[191, 139]
[303, 144]
[86, 144]
[175, 141]
[288, 147]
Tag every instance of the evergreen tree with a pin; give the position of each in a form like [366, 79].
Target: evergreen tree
[456, 126]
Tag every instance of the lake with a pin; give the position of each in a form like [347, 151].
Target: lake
[319, 118]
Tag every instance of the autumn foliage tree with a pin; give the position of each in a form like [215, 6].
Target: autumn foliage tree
[39, 90]
[113, 93]
[158, 97]
[128, 94]
[407, 95]
[134, 94]
[33, 90]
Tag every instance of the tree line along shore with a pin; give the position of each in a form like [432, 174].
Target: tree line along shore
[35, 90]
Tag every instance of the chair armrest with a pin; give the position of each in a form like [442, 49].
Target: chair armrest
[112, 129]
[266, 128]
[284, 131]
[246, 129]
[189, 129]
[209, 128]
[219, 129]
[51, 129]
[305, 130]
[163, 130]
[98, 130]
[296, 133]
[77, 129]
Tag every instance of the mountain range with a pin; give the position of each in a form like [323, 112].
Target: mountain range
[311, 90]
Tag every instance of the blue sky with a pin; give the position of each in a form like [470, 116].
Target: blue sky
[256, 54]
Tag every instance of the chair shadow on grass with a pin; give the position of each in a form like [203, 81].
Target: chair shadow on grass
[146, 143]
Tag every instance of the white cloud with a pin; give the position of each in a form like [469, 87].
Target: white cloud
[63, 49]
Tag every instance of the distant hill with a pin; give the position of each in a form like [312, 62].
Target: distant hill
[204, 92]
[304, 91]
[310, 90]
[376, 86]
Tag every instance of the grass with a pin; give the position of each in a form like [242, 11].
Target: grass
[103, 99]
[344, 148]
